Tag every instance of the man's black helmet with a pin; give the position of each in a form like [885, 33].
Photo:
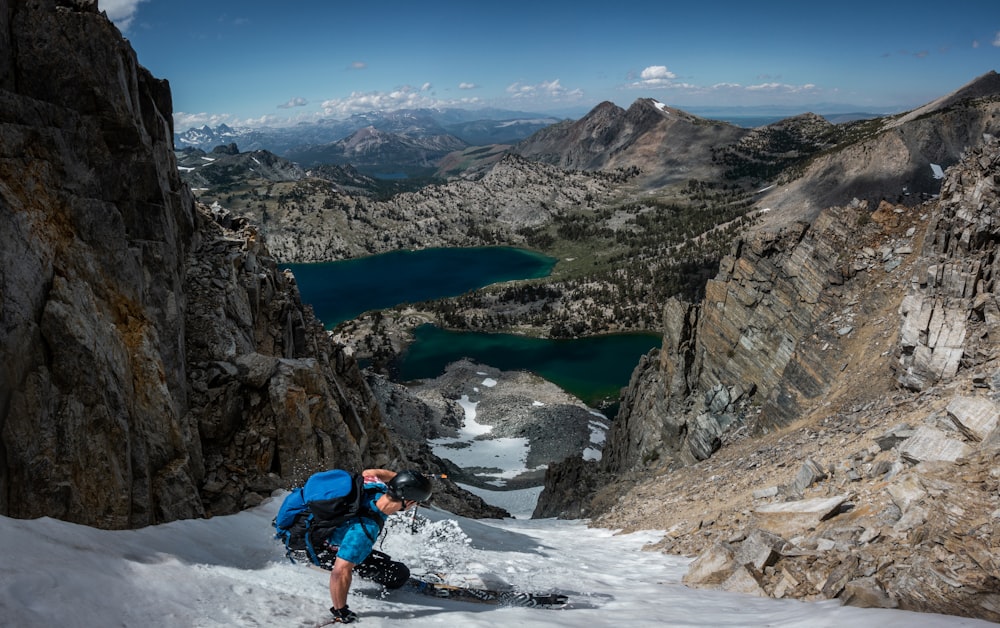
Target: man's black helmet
[410, 485]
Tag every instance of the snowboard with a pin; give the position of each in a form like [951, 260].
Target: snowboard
[435, 586]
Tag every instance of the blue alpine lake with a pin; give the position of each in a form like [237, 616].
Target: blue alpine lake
[343, 290]
[593, 369]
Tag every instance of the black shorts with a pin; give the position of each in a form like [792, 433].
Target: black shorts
[378, 567]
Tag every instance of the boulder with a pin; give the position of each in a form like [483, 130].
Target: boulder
[744, 580]
[975, 417]
[712, 567]
[866, 592]
[930, 443]
[760, 549]
[788, 519]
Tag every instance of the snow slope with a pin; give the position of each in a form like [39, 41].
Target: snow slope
[227, 571]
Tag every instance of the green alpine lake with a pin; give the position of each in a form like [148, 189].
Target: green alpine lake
[593, 369]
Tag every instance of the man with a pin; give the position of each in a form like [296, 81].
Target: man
[389, 492]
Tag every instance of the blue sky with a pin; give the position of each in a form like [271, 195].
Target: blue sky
[253, 62]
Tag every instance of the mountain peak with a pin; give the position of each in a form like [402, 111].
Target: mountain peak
[980, 87]
[647, 106]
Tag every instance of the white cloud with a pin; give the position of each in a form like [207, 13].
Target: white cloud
[121, 12]
[467, 86]
[551, 91]
[659, 77]
[722, 93]
[184, 121]
[996, 40]
[405, 97]
[298, 101]
[657, 73]
[781, 88]
[655, 77]
[358, 65]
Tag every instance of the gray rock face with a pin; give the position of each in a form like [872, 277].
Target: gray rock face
[96, 231]
[759, 335]
[951, 304]
[156, 365]
[768, 331]
[907, 516]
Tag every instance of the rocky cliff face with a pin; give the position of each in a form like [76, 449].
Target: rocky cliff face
[950, 315]
[761, 343]
[773, 324]
[156, 364]
[842, 375]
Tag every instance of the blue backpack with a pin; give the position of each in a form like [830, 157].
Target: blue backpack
[311, 513]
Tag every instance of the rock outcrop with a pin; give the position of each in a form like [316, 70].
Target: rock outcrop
[762, 342]
[908, 524]
[858, 472]
[514, 196]
[769, 338]
[951, 307]
[156, 365]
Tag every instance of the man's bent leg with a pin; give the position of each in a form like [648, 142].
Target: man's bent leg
[378, 567]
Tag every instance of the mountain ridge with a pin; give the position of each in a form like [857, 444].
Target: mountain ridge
[470, 126]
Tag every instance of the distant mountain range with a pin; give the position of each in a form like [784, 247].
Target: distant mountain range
[451, 128]
[414, 142]
[661, 145]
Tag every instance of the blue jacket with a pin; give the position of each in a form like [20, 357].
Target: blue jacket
[355, 538]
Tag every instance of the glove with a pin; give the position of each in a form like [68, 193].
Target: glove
[343, 615]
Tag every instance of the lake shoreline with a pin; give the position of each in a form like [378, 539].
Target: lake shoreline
[380, 341]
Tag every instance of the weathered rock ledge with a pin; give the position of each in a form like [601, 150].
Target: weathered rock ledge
[156, 363]
[864, 465]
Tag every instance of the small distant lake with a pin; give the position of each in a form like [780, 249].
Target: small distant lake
[593, 369]
[341, 291]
